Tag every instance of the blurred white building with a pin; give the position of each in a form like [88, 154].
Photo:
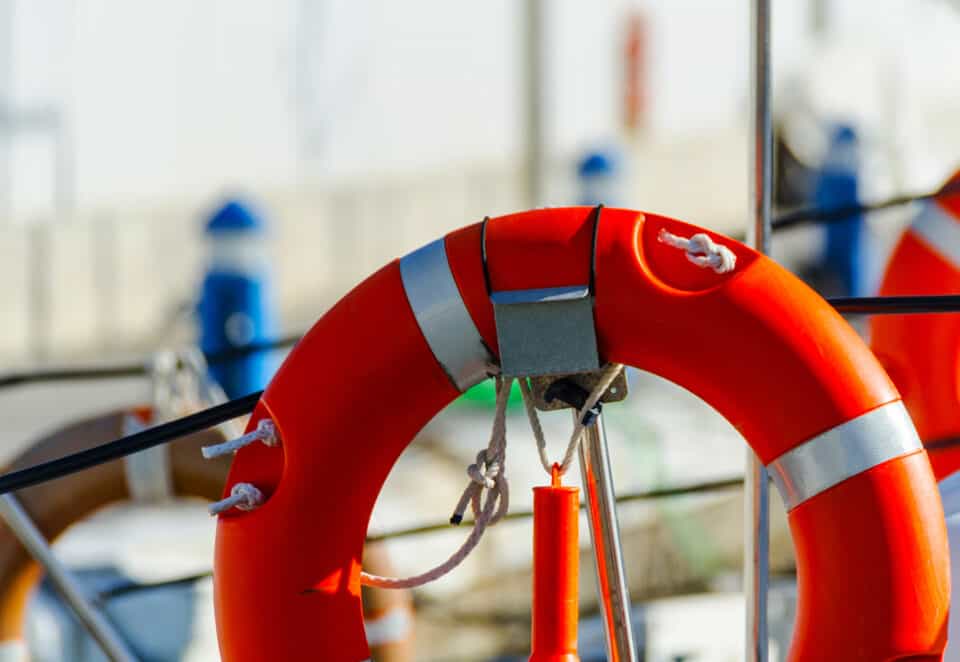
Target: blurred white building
[370, 127]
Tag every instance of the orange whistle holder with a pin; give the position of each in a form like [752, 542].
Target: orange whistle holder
[556, 561]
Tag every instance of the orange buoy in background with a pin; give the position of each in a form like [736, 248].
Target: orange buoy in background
[921, 353]
[556, 563]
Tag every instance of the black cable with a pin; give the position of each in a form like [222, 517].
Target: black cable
[899, 305]
[114, 450]
[940, 444]
[242, 351]
[837, 214]
[68, 374]
[209, 417]
[667, 492]
[788, 220]
[137, 369]
[682, 490]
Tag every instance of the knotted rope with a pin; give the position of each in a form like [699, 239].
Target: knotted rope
[702, 251]
[487, 474]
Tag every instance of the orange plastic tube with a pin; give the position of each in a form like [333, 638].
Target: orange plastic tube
[556, 557]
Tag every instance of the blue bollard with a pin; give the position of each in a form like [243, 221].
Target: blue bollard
[836, 185]
[237, 305]
[598, 174]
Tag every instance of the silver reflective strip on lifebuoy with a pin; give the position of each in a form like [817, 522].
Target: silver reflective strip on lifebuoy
[938, 230]
[842, 452]
[442, 316]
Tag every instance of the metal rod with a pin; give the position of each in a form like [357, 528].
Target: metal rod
[612, 591]
[39, 306]
[756, 557]
[63, 581]
[533, 117]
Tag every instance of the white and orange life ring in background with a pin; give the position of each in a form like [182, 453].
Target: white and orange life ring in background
[922, 352]
[755, 343]
[55, 506]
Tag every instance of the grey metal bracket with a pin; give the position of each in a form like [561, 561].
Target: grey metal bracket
[616, 392]
[548, 331]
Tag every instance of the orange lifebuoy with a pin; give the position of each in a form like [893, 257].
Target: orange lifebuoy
[755, 343]
[922, 352]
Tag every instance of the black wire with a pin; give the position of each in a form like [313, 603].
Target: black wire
[114, 450]
[785, 221]
[711, 486]
[209, 417]
[137, 369]
[837, 214]
[667, 492]
[67, 374]
[241, 351]
[899, 305]
[940, 444]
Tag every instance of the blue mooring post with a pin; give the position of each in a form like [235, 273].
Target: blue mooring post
[237, 303]
[836, 185]
[598, 176]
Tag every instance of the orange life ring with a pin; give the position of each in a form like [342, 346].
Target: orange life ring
[922, 352]
[755, 343]
[55, 506]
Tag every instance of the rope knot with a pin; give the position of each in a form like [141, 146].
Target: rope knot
[701, 250]
[484, 472]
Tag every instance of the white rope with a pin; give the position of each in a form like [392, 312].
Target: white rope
[243, 496]
[487, 474]
[266, 432]
[702, 251]
[609, 374]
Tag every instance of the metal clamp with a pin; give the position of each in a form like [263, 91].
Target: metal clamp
[547, 331]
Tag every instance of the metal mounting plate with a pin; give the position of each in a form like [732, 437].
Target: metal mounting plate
[546, 331]
[586, 380]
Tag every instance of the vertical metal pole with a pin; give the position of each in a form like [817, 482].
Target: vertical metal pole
[64, 179]
[756, 561]
[608, 553]
[39, 305]
[533, 125]
[30, 537]
[7, 53]
[105, 252]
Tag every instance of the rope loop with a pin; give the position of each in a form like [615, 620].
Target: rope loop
[586, 416]
[243, 496]
[487, 495]
[265, 432]
[702, 251]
